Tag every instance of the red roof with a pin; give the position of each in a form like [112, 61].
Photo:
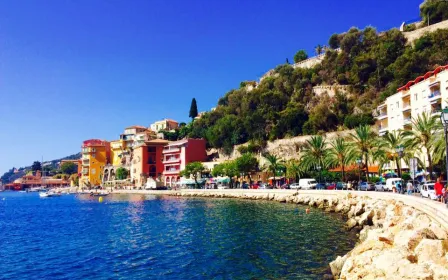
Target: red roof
[424, 77]
[136, 126]
[94, 142]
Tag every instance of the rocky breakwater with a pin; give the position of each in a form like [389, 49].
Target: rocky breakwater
[396, 241]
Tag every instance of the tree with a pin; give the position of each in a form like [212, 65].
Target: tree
[424, 129]
[75, 179]
[341, 154]
[319, 49]
[434, 11]
[364, 140]
[334, 41]
[228, 169]
[246, 164]
[300, 56]
[69, 168]
[389, 143]
[36, 166]
[294, 169]
[315, 153]
[193, 109]
[274, 164]
[121, 173]
[193, 169]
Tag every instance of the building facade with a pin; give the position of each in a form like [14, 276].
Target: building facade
[147, 161]
[176, 155]
[426, 94]
[165, 124]
[95, 155]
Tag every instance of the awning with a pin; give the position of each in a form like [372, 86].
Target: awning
[190, 181]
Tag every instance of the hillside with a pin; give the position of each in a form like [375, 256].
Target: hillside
[369, 66]
[10, 176]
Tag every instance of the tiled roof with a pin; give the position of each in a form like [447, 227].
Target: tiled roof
[424, 77]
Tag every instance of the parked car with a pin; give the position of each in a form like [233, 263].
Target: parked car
[321, 186]
[285, 186]
[294, 186]
[222, 187]
[331, 186]
[427, 190]
[364, 186]
[392, 182]
[307, 184]
[380, 186]
[341, 186]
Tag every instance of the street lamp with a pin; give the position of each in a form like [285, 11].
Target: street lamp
[359, 162]
[399, 150]
[319, 168]
[444, 119]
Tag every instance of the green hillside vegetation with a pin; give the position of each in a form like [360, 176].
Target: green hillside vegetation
[372, 64]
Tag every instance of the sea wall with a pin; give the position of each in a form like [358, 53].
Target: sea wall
[400, 237]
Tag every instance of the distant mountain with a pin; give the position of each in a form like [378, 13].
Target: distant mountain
[14, 174]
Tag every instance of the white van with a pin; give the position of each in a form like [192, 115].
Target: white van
[392, 182]
[427, 190]
[307, 184]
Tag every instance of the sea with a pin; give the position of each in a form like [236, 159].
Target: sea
[165, 237]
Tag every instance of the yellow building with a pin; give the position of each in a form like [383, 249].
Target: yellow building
[117, 148]
[95, 155]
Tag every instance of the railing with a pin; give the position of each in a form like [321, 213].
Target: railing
[407, 120]
[406, 106]
[382, 128]
[434, 94]
[172, 159]
[382, 115]
[171, 171]
[171, 150]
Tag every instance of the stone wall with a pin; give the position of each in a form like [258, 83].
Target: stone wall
[401, 237]
[330, 89]
[413, 35]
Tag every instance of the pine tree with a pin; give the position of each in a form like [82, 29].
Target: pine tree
[193, 109]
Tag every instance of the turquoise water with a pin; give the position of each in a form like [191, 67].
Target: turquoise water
[148, 237]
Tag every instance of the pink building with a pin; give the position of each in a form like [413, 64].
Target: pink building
[176, 155]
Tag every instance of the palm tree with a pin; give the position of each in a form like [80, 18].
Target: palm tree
[422, 136]
[315, 153]
[319, 49]
[273, 164]
[364, 140]
[294, 169]
[341, 154]
[388, 143]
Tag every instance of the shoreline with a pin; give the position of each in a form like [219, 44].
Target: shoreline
[400, 237]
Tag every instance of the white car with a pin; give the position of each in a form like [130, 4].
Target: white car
[392, 182]
[295, 186]
[380, 186]
[307, 184]
[222, 187]
[427, 190]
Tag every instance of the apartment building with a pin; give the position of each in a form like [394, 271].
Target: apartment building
[95, 155]
[427, 93]
[176, 155]
[165, 124]
[147, 161]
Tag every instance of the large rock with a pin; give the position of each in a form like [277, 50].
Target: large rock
[411, 238]
[351, 223]
[422, 221]
[366, 218]
[390, 260]
[432, 251]
[337, 264]
[438, 231]
[414, 271]
[359, 209]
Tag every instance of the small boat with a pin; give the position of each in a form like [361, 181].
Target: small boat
[99, 194]
[49, 194]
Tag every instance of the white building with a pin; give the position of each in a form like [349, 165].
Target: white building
[165, 124]
[427, 93]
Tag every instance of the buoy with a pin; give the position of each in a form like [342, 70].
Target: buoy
[100, 199]
[307, 210]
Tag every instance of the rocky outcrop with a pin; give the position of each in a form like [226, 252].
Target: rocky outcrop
[396, 241]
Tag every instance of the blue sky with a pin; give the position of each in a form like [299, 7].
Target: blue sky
[75, 70]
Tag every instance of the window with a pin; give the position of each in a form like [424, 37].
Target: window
[415, 96]
[398, 105]
[93, 155]
[93, 171]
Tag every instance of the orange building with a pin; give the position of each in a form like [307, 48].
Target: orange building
[95, 155]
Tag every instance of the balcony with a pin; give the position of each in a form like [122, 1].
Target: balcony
[171, 150]
[406, 93]
[171, 160]
[171, 171]
[85, 172]
[382, 130]
[407, 121]
[88, 150]
[436, 111]
[85, 161]
[382, 116]
[406, 107]
[434, 96]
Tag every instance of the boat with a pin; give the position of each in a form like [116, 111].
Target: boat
[100, 194]
[49, 194]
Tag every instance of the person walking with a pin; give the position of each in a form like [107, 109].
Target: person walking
[409, 187]
[438, 189]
